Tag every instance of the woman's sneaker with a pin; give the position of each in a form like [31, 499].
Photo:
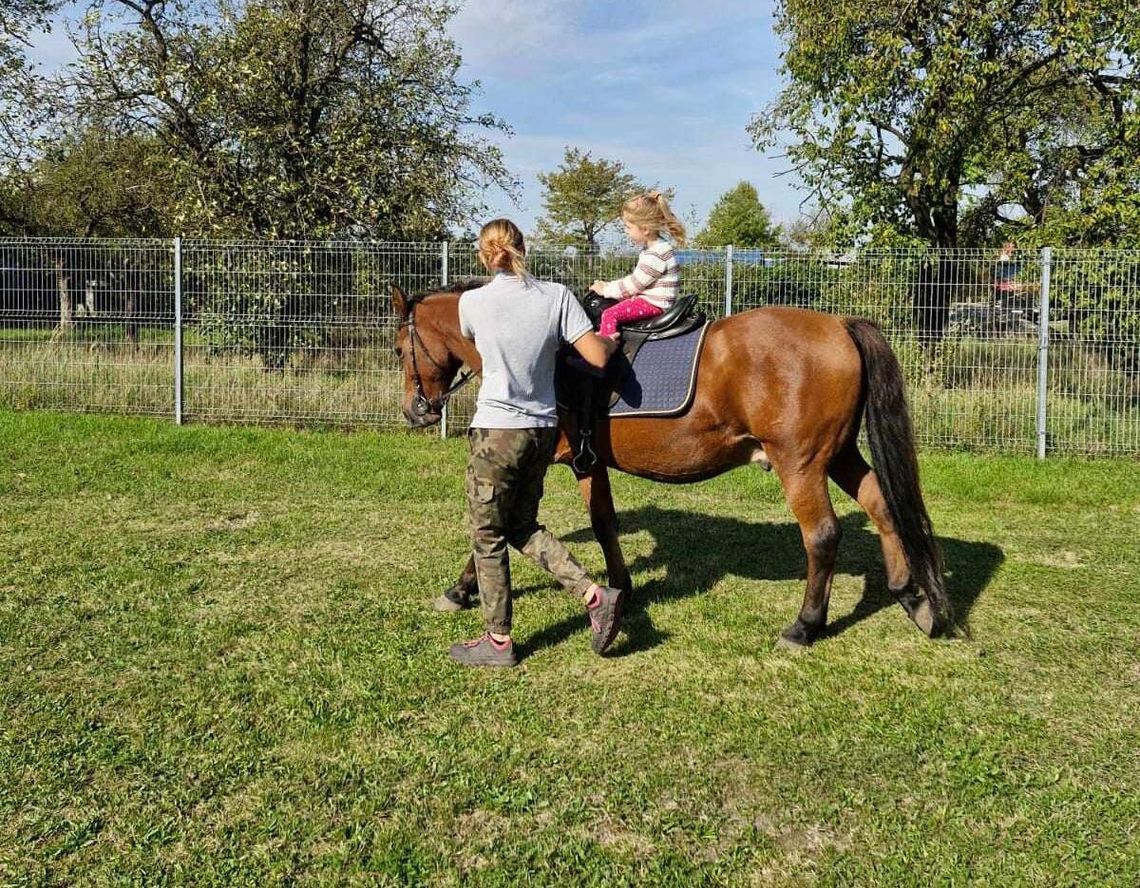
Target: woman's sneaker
[485, 651]
[605, 617]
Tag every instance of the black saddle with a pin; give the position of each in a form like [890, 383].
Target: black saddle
[586, 395]
[680, 318]
[676, 320]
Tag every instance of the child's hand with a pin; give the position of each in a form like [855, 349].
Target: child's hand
[598, 287]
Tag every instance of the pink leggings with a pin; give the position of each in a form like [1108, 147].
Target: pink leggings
[632, 309]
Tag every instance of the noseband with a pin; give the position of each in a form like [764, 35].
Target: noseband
[421, 404]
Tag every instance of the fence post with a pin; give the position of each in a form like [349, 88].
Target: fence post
[443, 274]
[178, 331]
[728, 280]
[1043, 348]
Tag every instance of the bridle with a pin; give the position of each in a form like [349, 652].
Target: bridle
[422, 405]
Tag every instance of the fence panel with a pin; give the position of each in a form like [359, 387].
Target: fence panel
[302, 332]
[960, 322]
[296, 332]
[86, 325]
[1094, 353]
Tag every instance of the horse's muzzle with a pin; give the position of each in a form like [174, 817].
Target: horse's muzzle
[421, 420]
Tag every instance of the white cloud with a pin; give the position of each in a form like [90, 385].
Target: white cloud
[514, 38]
[746, 12]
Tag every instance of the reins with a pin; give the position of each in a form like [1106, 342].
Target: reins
[421, 404]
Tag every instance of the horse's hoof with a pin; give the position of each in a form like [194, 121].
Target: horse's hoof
[796, 637]
[926, 619]
[454, 599]
[921, 612]
[783, 643]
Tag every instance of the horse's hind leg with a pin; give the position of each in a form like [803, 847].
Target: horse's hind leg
[808, 498]
[852, 473]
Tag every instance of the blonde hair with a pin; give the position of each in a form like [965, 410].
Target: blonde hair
[501, 247]
[650, 211]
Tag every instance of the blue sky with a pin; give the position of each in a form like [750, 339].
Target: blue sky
[665, 87]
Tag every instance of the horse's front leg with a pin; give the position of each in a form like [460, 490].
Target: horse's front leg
[462, 593]
[595, 488]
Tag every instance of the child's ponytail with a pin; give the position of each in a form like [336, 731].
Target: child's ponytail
[672, 223]
[651, 212]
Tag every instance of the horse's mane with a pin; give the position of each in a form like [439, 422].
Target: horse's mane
[459, 286]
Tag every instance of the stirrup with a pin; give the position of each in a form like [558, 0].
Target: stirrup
[585, 458]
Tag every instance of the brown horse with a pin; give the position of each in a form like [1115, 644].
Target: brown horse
[782, 387]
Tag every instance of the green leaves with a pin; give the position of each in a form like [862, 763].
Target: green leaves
[24, 102]
[740, 219]
[962, 121]
[583, 198]
[330, 118]
[97, 183]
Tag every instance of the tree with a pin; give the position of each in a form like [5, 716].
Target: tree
[91, 184]
[899, 110]
[290, 119]
[96, 183]
[21, 99]
[738, 218]
[24, 105]
[295, 118]
[583, 197]
[810, 232]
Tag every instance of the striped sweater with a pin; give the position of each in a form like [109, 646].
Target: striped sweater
[655, 279]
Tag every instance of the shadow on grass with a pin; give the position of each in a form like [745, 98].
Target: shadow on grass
[696, 551]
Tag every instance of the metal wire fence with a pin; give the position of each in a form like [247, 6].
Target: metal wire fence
[87, 325]
[1013, 351]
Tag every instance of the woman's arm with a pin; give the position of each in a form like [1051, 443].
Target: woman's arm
[595, 349]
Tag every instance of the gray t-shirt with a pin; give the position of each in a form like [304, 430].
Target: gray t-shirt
[517, 326]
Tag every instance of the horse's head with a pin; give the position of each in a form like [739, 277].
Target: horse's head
[427, 341]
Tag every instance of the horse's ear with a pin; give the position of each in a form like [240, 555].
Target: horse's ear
[399, 301]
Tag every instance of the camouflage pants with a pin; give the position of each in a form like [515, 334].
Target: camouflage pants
[505, 473]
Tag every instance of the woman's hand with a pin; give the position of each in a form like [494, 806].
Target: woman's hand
[598, 287]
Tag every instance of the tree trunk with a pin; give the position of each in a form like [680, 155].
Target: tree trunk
[89, 299]
[130, 321]
[932, 297]
[66, 301]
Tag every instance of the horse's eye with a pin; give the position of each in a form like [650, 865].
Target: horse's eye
[399, 352]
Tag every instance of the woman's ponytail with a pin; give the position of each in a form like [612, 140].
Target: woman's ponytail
[501, 247]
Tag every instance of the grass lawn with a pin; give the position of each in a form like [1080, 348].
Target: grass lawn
[219, 666]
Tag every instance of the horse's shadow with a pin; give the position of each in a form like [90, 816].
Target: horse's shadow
[696, 551]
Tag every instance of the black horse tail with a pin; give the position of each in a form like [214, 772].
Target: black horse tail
[891, 436]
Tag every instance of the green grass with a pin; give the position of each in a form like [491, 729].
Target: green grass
[219, 666]
[983, 398]
[362, 390]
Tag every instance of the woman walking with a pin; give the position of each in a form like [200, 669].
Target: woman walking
[517, 324]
